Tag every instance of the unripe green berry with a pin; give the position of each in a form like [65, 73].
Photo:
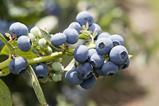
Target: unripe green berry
[42, 42]
[49, 50]
[57, 77]
[57, 66]
[36, 31]
[31, 36]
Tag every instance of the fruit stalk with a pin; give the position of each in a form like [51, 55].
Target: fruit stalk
[36, 60]
[45, 58]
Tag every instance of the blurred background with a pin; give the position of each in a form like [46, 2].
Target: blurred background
[136, 20]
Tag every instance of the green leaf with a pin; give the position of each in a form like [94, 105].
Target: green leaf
[27, 55]
[5, 96]
[5, 63]
[4, 72]
[3, 57]
[36, 86]
[84, 36]
[8, 44]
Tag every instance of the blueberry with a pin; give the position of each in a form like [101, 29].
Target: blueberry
[99, 71]
[117, 39]
[118, 55]
[81, 53]
[71, 35]
[58, 39]
[84, 70]
[125, 65]
[41, 70]
[17, 65]
[103, 35]
[88, 83]
[24, 43]
[84, 17]
[96, 60]
[18, 29]
[95, 28]
[76, 26]
[72, 77]
[91, 52]
[104, 45]
[109, 68]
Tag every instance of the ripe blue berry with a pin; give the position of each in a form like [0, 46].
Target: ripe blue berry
[117, 39]
[58, 39]
[118, 55]
[103, 35]
[96, 60]
[81, 53]
[24, 43]
[84, 17]
[104, 45]
[109, 68]
[95, 28]
[17, 65]
[84, 70]
[41, 70]
[18, 29]
[99, 72]
[91, 52]
[125, 65]
[71, 35]
[88, 83]
[72, 77]
[76, 26]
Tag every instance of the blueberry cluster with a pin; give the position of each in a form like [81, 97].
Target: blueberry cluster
[69, 35]
[19, 32]
[106, 58]
[101, 54]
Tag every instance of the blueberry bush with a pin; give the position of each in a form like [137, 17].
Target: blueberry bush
[93, 53]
